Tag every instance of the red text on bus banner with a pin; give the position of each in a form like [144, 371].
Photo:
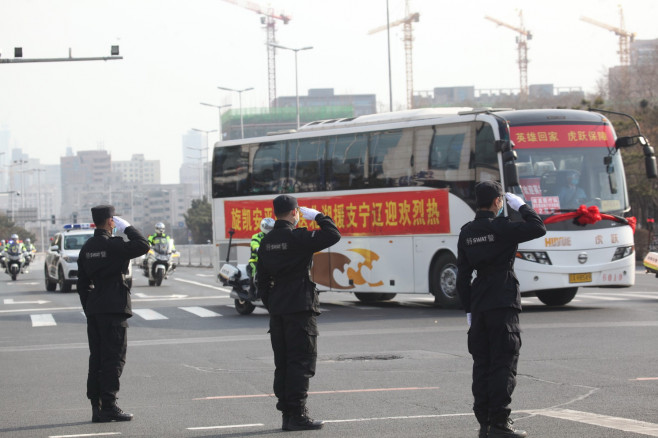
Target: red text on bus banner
[417, 212]
[562, 136]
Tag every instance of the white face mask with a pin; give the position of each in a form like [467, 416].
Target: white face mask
[294, 224]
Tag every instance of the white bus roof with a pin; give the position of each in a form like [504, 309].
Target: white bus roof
[366, 120]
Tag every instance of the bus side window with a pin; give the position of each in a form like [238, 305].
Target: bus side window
[390, 157]
[446, 151]
[306, 159]
[348, 155]
[230, 169]
[268, 169]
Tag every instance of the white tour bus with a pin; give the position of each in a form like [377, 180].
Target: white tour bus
[401, 185]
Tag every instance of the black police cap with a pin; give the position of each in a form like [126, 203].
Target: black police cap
[283, 204]
[100, 213]
[487, 191]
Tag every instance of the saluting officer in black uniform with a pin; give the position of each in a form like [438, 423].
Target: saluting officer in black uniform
[284, 284]
[488, 245]
[105, 299]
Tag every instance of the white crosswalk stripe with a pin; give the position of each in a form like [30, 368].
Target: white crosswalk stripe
[43, 320]
[149, 314]
[200, 311]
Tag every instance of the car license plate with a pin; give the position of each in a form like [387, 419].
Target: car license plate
[583, 277]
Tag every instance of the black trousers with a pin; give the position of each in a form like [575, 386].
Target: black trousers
[494, 341]
[108, 341]
[294, 342]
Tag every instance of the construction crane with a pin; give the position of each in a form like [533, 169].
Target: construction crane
[625, 37]
[408, 47]
[268, 19]
[522, 47]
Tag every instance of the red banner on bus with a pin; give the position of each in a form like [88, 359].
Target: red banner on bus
[417, 212]
[562, 136]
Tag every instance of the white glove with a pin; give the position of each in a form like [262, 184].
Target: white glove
[308, 213]
[468, 319]
[121, 224]
[514, 201]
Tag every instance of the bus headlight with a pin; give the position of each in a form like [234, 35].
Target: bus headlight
[623, 251]
[534, 256]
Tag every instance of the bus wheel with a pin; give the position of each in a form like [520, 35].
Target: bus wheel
[244, 307]
[556, 297]
[367, 297]
[443, 281]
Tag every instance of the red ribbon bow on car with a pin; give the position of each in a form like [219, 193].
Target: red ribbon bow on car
[590, 215]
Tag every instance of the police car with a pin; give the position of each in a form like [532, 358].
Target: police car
[61, 266]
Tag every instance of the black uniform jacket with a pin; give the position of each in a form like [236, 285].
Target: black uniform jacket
[284, 261]
[488, 246]
[102, 261]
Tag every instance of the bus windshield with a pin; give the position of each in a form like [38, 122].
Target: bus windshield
[563, 166]
[563, 179]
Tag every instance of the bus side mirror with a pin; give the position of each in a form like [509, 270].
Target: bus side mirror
[625, 142]
[511, 174]
[650, 161]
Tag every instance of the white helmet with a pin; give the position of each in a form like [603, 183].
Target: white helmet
[266, 225]
[15, 236]
[160, 228]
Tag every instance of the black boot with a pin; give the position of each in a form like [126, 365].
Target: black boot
[484, 431]
[505, 430]
[95, 411]
[299, 420]
[285, 417]
[113, 413]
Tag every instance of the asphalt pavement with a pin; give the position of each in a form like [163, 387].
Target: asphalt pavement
[196, 368]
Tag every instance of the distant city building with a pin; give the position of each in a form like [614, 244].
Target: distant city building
[363, 104]
[319, 104]
[86, 181]
[138, 170]
[190, 171]
[639, 80]
[539, 94]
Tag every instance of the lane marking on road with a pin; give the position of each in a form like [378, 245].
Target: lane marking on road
[601, 297]
[43, 320]
[642, 379]
[205, 275]
[41, 310]
[149, 314]
[200, 311]
[223, 289]
[11, 301]
[232, 426]
[401, 417]
[85, 434]
[143, 295]
[146, 300]
[617, 423]
[647, 296]
[338, 391]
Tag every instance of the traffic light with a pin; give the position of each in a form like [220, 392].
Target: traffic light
[75, 218]
[52, 219]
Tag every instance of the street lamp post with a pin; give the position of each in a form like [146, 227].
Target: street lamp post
[219, 108]
[296, 81]
[240, 96]
[203, 155]
[39, 218]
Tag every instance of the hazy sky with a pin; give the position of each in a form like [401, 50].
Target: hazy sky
[177, 52]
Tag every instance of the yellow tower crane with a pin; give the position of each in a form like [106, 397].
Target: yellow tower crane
[267, 19]
[408, 47]
[522, 47]
[625, 37]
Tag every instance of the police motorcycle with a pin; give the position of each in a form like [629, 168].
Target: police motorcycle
[30, 254]
[14, 259]
[237, 278]
[161, 261]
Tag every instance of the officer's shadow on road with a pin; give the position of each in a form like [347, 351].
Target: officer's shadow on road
[42, 427]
